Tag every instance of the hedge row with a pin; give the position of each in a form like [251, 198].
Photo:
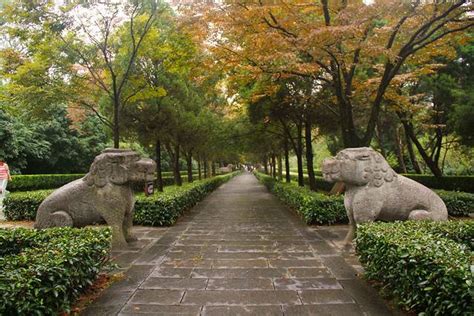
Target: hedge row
[54, 181]
[157, 210]
[313, 207]
[40, 181]
[458, 203]
[321, 184]
[43, 271]
[425, 265]
[449, 183]
[165, 208]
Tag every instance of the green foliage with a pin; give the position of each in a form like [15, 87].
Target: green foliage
[20, 142]
[313, 207]
[163, 208]
[43, 271]
[426, 265]
[319, 208]
[321, 184]
[40, 181]
[451, 183]
[458, 203]
[53, 181]
[52, 145]
[21, 206]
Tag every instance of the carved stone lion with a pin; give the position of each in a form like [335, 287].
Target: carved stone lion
[103, 194]
[375, 191]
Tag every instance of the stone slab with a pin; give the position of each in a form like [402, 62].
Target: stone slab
[158, 297]
[240, 284]
[235, 297]
[324, 310]
[174, 284]
[242, 310]
[161, 310]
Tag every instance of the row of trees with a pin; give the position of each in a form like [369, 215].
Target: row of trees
[262, 78]
[396, 75]
[130, 64]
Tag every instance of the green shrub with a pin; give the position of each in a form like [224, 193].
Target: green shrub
[19, 206]
[42, 272]
[458, 203]
[40, 181]
[426, 265]
[450, 183]
[157, 210]
[313, 207]
[54, 181]
[165, 208]
[321, 184]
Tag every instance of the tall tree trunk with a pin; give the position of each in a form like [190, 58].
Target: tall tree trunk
[280, 168]
[411, 153]
[159, 174]
[348, 130]
[380, 139]
[265, 164]
[309, 155]
[177, 172]
[213, 168]
[399, 151]
[205, 167]
[429, 162]
[199, 168]
[116, 129]
[287, 162]
[189, 163]
[299, 157]
[274, 175]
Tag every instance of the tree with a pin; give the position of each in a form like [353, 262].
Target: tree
[357, 50]
[102, 39]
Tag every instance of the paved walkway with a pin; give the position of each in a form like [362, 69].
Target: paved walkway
[239, 252]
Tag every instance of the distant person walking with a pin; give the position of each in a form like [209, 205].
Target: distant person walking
[4, 177]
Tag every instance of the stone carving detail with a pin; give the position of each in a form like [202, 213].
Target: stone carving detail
[375, 191]
[103, 194]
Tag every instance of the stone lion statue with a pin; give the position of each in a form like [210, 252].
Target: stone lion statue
[375, 191]
[103, 194]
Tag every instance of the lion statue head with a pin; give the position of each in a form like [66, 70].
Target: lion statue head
[119, 166]
[358, 167]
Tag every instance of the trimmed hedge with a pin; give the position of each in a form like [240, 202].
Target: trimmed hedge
[313, 207]
[321, 184]
[53, 181]
[160, 209]
[44, 271]
[459, 204]
[19, 206]
[425, 265]
[165, 208]
[40, 181]
[450, 183]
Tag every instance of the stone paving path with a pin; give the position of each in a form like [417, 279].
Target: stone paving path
[239, 252]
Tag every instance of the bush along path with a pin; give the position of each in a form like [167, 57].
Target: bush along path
[43, 272]
[320, 209]
[239, 252]
[160, 209]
